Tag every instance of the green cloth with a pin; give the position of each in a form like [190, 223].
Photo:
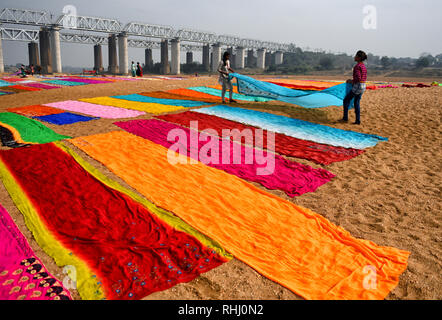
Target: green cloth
[30, 130]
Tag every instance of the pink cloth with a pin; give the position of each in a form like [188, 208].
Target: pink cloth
[95, 110]
[22, 275]
[291, 177]
[86, 80]
[41, 85]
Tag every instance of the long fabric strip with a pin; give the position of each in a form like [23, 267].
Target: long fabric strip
[154, 108]
[122, 248]
[170, 102]
[64, 83]
[236, 96]
[175, 96]
[286, 243]
[95, 110]
[35, 110]
[332, 96]
[295, 128]
[31, 131]
[270, 170]
[22, 275]
[289, 146]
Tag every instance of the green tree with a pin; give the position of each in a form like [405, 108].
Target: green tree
[385, 62]
[422, 62]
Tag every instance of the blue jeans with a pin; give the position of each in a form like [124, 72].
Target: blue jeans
[357, 101]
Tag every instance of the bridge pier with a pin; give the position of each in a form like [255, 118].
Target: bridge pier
[123, 54]
[112, 46]
[45, 51]
[55, 50]
[260, 62]
[33, 54]
[206, 57]
[176, 56]
[240, 57]
[148, 61]
[98, 58]
[216, 56]
[250, 59]
[2, 65]
[165, 67]
[279, 57]
[269, 59]
[189, 57]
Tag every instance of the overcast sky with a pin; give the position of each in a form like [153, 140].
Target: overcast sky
[404, 28]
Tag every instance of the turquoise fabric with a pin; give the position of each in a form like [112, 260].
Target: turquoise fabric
[295, 128]
[236, 96]
[64, 83]
[169, 102]
[332, 96]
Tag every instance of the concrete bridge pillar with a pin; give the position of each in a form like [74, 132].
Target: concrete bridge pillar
[113, 64]
[148, 60]
[216, 56]
[176, 56]
[98, 58]
[165, 67]
[123, 54]
[189, 57]
[55, 50]
[239, 59]
[260, 62]
[2, 65]
[250, 59]
[269, 59]
[279, 57]
[206, 57]
[34, 58]
[45, 51]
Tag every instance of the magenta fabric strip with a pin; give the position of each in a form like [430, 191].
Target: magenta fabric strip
[88, 81]
[41, 85]
[291, 177]
[95, 110]
[22, 275]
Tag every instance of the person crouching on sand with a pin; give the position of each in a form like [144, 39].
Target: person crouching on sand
[359, 87]
[224, 80]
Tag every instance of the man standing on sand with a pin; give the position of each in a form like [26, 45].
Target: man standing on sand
[133, 69]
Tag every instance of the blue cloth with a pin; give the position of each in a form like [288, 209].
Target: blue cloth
[295, 128]
[64, 118]
[4, 83]
[64, 83]
[169, 102]
[332, 96]
[218, 93]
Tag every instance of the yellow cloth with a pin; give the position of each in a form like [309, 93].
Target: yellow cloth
[154, 108]
[289, 244]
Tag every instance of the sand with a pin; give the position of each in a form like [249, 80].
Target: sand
[391, 194]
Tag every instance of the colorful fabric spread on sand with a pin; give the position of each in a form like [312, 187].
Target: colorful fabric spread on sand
[64, 82]
[64, 118]
[295, 128]
[271, 171]
[122, 247]
[41, 85]
[154, 108]
[332, 96]
[5, 83]
[286, 145]
[29, 130]
[170, 95]
[24, 88]
[8, 139]
[85, 80]
[286, 243]
[195, 95]
[96, 110]
[236, 96]
[35, 110]
[303, 84]
[22, 275]
[170, 102]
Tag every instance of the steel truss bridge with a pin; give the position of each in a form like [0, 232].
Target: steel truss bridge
[77, 29]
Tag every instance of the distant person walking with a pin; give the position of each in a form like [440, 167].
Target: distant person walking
[133, 68]
[224, 80]
[359, 87]
[32, 69]
[139, 70]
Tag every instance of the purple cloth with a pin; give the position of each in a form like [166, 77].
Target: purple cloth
[41, 85]
[291, 177]
[88, 81]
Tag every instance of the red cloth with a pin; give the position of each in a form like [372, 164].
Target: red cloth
[289, 146]
[131, 251]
